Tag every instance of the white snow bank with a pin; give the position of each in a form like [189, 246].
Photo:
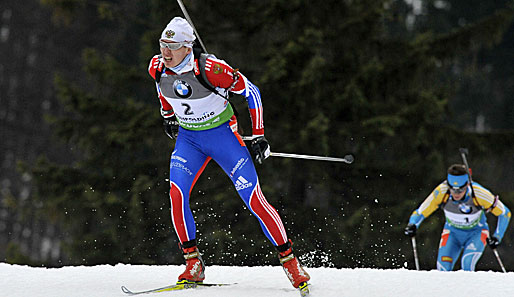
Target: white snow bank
[106, 280]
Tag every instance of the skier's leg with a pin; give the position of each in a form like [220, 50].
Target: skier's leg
[237, 162]
[473, 249]
[186, 165]
[449, 250]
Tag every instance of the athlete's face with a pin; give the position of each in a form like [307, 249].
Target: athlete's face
[457, 196]
[173, 57]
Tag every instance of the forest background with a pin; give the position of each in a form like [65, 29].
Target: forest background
[401, 85]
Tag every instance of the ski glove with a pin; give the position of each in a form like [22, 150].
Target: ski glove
[493, 242]
[410, 230]
[260, 149]
[171, 127]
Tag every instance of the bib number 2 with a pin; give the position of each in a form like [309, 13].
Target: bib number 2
[187, 110]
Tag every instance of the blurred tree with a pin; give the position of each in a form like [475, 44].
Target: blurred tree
[482, 78]
[30, 49]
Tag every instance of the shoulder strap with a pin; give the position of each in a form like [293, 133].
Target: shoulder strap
[158, 73]
[475, 200]
[202, 77]
[201, 57]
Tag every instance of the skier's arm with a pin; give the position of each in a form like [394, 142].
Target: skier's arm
[221, 75]
[428, 206]
[156, 66]
[503, 213]
[487, 200]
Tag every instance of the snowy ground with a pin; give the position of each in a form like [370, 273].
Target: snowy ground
[106, 280]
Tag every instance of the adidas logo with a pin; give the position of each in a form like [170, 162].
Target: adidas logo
[472, 247]
[242, 183]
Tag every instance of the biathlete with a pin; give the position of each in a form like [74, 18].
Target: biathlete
[465, 206]
[192, 89]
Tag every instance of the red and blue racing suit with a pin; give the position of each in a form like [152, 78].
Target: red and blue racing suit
[208, 131]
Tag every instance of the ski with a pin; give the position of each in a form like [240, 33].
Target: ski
[182, 285]
[304, 289]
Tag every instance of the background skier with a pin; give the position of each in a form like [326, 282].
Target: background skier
[466, 226]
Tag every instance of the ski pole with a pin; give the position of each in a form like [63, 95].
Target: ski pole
[499, 260]
[183, 8]
[415, 249]
[463, 153]
[348, 159]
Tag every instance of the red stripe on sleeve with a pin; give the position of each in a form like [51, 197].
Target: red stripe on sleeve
[257, 122]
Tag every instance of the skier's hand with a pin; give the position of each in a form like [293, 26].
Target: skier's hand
[260, 149]
[410, 230]
[493, 242]
[171, 127]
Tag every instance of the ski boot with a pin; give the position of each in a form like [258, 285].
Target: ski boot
[293, 269]
[195, 266]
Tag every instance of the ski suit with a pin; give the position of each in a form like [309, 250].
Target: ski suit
[208, 130]
[465, 229]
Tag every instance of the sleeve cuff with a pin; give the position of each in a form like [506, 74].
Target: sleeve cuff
[167, 113]
[257, 132]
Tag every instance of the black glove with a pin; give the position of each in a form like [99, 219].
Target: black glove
[260, 149]
[493, 242]
[171, 127]
[410, 230]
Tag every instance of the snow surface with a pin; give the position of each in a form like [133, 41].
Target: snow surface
[268, 281]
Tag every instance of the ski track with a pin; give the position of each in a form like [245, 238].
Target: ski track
[267, 281]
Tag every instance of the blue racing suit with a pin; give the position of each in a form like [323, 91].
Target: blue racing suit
[465, 229]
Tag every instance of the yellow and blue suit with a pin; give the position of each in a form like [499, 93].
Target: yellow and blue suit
[465, 229]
